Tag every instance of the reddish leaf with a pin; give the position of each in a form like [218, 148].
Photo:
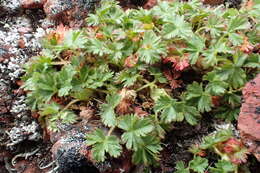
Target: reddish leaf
[178, 63]
[172, 77]
[232, 145]
[127, 99]
[246, 47]
[140, 112]
[215, 100]
[58, 34]
[131, 61]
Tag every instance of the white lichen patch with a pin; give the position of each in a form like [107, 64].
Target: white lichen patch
[11, 4]
[24, 132]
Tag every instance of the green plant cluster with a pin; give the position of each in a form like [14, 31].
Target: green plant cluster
[222, 144]
[126, 50]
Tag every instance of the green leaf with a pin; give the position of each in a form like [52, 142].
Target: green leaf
[235, 39]
[67, 117]
[108, 115]
[148, 151]
[151, 48]
[215, 25]
[198, 164]
[180, 168]
[223, 166]
[211, 55]
[238, 23]
[227, 113]
[75, 40]
[134, 129]
[128, 76]
[167, 107]
[102, 144]
[97, 47]
[215, 86]
[64, 78]
[232, 99]
[233, 75]
[196, 45]
[196, 96]
[208, 142]
[191, 114]
[158, 75]
[93, 77]
[52, 108]
[178, 28]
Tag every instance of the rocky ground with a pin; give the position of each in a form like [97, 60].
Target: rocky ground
[24, 146]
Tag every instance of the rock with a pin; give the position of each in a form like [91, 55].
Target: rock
[32, 4]
[72, 155]
[150, 4]
[67, 10]
[66, 152]
[249, 117]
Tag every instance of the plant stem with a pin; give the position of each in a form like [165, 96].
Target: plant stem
[110, 131]
[70, 103]
[60, 63]
[145, 86]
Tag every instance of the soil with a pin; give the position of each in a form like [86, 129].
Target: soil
[24, 147]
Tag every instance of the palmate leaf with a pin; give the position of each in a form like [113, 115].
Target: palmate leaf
[108, 115]
[64, 78]
[227, 113]
[151, 48]
[238, 23]
[180, 168]
[134, 128]
[208, 142]
[215, 26]
[235, 39]
[167, 107]
[52, 113]
[97, 47]
[102, 144]
[129, 76]
[216, 86]
[171, 110]
[67, 117]
[233, 75]
[198, 164]
[211, 55]
[52, 108]
[75, 40]
[223, 166]
[148, 151]
[196, 96]
[93, 78]
[196, 46]
[179, 28]
[191, 114]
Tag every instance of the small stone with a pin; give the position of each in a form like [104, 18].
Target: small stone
[24, 30]
[21, 43]
[33, 4]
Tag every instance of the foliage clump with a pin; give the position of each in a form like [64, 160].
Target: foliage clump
[145, 70]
